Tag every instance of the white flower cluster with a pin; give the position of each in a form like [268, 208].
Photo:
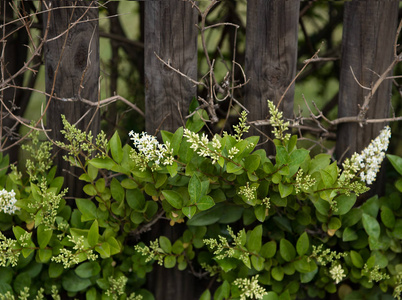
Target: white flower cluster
[7, 202]
[250, 288]
[151, 150]
[368, 162]
[337, 273]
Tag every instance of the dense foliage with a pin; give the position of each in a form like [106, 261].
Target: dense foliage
[263, 228]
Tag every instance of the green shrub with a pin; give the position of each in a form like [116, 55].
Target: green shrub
[299, 230]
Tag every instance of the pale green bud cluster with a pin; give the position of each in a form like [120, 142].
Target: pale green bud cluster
[154, 251]
[248, 192]
[9, 251]
[398, 287]
[223, 249]
[326, 256]
[374, 274]
[150, 151]
[242, 127]
[69, 258]
[80, 142]
[276, 120]
[116, 287]
[203, 146]
[303, 182]
[211, 269]
[41, 156]
[47, 206]
[250, 288]
[24, 239]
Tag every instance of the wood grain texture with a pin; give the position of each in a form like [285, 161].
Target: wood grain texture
[367, 48]
[72, 71]
[170, 32]
[271, 56]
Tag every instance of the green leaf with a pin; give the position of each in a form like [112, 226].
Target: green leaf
[223, 291]
[103, 163]
[387, 217]
[174, 198]
[396, 162]
[206, 295]
[268, 250]
[259, 212]
[257, 262]
[128, 183]
[103, 250]
[357, 259]
[135, 199]
[176, 140]
[90, 190]
[277, 273]
[55, 270]
[87, 208]
[88, 269]
[349, 235]
[207, 217]
[189, 211]
[92, 172]
[169, 261]
[43, 236]
[287, 250]
[20, 281]
[371, 226]
[117, 190]
[205, 203]
[232, 168]
[115, 148]
[93, 234]
[44, 255]
[319, 162]
[194, 188]
[270, 296]
[333, 225]
[282, 156]
[72, 283]
[254, 239]
[165, 244]
[285, 189]
[344, 203]
[302, 244]
[252, 162]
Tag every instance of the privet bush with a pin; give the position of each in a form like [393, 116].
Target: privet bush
[266, 229]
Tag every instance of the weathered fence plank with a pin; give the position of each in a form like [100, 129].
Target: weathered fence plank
[72, 71]
[170, 33]
[367, 50]
[271, 57]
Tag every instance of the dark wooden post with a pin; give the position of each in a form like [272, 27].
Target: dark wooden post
[367, 50]
[271, 57]
[72, 71]
[169, 32]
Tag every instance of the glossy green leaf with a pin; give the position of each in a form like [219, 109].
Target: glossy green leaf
[189, 211]
[302, 244]
[115, 148]
[88, 269]
[206, 295]
[44, 255]
[357, 259]
[349, 234]
[371, 226]
[344, 203]
[223, 291]
[43, 236]
[165, 244]
[55, 269]
[396, 162]
[277, 273]
[174, 198]
[387, 217]
[72, 283]
[254, 239]
[287, 250]
[257, 262]
[117, 190]
[102, 163]
[285, 189]
[87, 208]
[252, 162]
[103, 250]
[205, 203]
[169, 261]
[93, 234]
[194, 188]
[268, 250]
